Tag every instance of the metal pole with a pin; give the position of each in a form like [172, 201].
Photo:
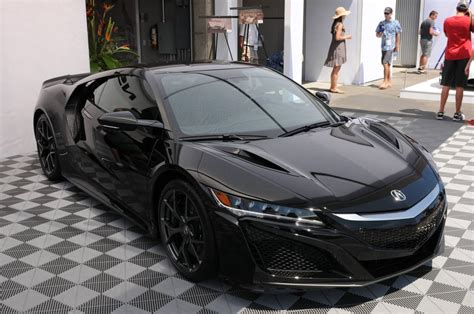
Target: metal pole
[215, 47]
[246, 41]
[138, 31]
[228, 46]
[261, 39]
[163, 15]
[405, 82]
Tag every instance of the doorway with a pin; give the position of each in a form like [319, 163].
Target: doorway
[272, 29]
[164, 31]
[408, 14]
[157, 31]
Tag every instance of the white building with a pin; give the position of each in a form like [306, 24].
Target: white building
[41, 39]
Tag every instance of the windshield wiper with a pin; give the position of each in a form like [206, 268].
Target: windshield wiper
[224, 137]
[308, 127]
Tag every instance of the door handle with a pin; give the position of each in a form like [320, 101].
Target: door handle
[109, 127]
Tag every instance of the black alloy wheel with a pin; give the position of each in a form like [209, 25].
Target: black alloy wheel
[186, 232]
[47, 149]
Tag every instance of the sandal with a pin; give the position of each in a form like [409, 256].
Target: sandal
[336, 91]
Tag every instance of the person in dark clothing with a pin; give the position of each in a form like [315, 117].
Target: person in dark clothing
[427, 31]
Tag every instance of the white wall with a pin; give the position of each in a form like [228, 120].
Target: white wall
[293, 41]
[221, 7]
[39, 39]
[363, 51]
[318, 38]
[370, 67]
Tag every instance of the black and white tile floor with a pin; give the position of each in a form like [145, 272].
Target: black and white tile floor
[61, 251]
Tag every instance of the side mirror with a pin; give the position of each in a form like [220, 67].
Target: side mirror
[324, 97]
[126, 121]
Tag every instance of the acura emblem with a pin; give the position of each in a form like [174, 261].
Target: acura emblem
[398, 195]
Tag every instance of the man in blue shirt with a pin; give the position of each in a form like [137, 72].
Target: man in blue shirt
[389, 30]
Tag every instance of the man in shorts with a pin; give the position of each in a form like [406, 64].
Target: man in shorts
[389, 30]
[458, 29]
[427, 31]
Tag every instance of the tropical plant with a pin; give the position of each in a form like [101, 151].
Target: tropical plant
[105, 47]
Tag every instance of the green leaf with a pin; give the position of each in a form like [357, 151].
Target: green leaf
[95, 67]
[118, 50]
[111, 62]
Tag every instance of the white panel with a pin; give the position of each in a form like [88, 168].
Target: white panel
[318, 20]
[221, 7]
[293, 43]
[41, 39]
[408, 13]
[372, 13]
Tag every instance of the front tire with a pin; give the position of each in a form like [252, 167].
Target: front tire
[186, 231]
[47, 149]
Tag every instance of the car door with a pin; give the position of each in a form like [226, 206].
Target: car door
[125, 155]
[80, 118]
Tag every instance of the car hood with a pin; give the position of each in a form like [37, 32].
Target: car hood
[350, 168]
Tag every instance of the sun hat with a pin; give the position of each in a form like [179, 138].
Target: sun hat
[341, 12]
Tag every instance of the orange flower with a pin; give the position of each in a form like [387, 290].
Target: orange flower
[108, 31]
[107, 7]
[90, 11]
[107, 36]
[100, 28]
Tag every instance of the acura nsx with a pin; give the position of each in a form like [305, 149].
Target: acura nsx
[245, 174]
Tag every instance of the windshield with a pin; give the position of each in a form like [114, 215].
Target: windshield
[238, 101]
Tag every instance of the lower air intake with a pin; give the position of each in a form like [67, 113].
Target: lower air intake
[286, 258]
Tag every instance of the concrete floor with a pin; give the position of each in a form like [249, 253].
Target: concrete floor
[369, 97]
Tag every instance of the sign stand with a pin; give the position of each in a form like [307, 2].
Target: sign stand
[218, 25]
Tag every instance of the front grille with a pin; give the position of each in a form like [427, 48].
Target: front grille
[286, 258]
[383, 267]
[408, 237]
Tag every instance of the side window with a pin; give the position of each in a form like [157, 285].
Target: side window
[129, 93]
[93, 91]
[97, 93]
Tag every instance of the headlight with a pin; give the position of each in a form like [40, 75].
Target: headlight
[246, 207]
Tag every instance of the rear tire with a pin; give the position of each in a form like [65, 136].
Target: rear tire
[47, 149]
[186, 231]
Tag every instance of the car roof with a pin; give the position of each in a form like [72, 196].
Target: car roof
[169, 68]
[199, 66]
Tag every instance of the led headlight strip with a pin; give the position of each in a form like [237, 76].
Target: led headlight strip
[246, 207]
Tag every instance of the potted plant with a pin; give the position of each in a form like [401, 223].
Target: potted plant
[105, 47]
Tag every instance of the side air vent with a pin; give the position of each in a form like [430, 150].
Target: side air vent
[386, 135]
[253, 158]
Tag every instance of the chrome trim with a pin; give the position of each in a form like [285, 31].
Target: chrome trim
[410, 213]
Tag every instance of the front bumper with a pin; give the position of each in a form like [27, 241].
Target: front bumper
[268, 254]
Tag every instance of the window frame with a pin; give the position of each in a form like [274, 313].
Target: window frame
[96, 103]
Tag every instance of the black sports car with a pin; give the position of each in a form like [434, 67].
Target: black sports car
[243, 173]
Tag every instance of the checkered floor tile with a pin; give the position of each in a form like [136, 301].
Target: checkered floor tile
[61, 251]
